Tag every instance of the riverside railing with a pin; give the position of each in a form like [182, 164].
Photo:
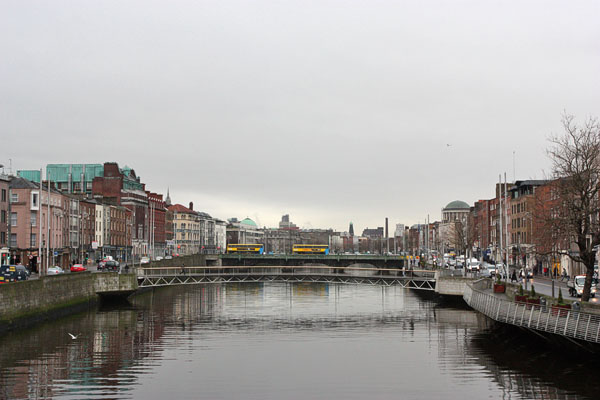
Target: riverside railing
[545, 318]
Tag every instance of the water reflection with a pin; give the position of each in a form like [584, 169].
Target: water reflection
[282, 341]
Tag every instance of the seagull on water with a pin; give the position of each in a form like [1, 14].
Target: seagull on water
[73, 336]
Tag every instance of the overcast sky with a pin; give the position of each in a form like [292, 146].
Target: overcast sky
[331, 111]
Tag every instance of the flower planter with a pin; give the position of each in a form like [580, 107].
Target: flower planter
[531, 302]
[560, 309]
[520, 299]
[499, 288]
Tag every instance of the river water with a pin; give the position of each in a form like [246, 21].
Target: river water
[284, 341]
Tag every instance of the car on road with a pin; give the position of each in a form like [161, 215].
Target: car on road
[78, 268]
[145, 260]
[473, 265]
[488, 270]
[56, 270]
[108, 265]
[14, 273]
[500, 269]
[575, 286]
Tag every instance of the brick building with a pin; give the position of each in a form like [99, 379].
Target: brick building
[31, 228]
[522, 205]
[157, 221]
[4, 219]
[122, 187]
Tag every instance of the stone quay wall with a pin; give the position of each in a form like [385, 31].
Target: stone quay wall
[26, 302]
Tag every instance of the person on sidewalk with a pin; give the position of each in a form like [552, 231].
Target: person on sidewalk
[513, 277]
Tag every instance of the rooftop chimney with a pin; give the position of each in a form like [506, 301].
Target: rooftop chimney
[192, 205]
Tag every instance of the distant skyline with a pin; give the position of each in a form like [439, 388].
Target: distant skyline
[328, 111]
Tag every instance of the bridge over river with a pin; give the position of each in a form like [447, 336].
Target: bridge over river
[431, 280]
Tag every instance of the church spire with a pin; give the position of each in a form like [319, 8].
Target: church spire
[168, 199]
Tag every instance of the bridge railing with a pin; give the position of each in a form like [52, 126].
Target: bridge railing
[546, 318]
[283, 270]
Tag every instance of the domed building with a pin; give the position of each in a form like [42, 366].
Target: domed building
[456, 210]
[245, 231]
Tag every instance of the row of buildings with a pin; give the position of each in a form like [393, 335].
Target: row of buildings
[84, 212]
[507, 228]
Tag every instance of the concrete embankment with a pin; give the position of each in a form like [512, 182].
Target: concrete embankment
[450, 285]
[28, 302]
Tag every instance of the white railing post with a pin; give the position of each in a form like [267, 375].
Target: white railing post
[576, 325]
[498, 308]
[567, 323]
[587, 327]
[530, 315]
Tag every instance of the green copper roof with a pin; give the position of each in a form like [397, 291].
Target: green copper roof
[31, 175]
[457, 205]
[249, 222]
[60, 172]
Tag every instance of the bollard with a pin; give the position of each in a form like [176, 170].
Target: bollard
[543, 304]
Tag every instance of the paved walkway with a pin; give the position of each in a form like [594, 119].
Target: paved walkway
[543, 285]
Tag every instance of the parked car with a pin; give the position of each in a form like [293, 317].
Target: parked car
[168, 257]
[55, 270]
[78, 268]
[145, 260]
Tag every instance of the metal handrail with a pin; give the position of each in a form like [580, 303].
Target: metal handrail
[570, 323]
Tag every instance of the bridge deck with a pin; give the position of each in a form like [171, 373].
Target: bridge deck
[417, 279]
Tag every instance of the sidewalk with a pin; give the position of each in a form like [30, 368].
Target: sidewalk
[543, 285]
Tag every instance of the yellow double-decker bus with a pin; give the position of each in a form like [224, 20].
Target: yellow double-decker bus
[246, 248]
[310, 249]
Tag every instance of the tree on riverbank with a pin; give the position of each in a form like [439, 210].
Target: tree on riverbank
[571, 216]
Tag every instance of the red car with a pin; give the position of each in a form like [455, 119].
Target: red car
[77, 268]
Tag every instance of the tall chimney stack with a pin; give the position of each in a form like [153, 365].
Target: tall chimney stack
[387, 241]
[192, 205]
[386, 227]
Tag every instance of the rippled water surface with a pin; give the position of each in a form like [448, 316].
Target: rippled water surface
[283, 341]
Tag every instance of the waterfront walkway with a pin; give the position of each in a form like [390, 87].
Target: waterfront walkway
[581, 324]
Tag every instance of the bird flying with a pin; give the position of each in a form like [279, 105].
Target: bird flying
[73, 336]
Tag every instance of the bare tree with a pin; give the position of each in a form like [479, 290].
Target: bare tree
[573, 214]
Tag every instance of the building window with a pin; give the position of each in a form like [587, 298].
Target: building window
[35, 201]
[13, 219]
[13, 240]
[14, 197]
[33, 218]
[3, 217]
[33, 240]
[4, 195]
[3, 238]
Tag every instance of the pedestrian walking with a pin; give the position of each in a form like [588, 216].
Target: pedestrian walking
[513, 277]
